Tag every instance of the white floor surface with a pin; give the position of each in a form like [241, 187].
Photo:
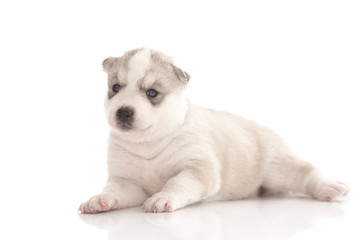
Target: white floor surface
[265, 218]
[272, 217]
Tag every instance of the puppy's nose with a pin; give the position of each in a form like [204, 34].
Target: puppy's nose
[125, 114]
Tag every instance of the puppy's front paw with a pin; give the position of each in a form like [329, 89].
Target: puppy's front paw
[99, 203]
[328, 190]
[160, 202]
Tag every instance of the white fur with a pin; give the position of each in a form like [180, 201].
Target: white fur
[138, 65]
[178, 154]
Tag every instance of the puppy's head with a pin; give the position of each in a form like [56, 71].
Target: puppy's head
[145, 96]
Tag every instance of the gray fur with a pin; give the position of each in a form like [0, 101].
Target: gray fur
[168, 75]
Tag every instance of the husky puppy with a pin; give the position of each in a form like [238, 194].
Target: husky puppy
[165, 153]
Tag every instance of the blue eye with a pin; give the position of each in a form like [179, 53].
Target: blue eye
[152, 93]
[116, 87]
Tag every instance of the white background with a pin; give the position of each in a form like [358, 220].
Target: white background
[291, 65]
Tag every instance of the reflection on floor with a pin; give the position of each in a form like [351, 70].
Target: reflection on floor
[272, 217]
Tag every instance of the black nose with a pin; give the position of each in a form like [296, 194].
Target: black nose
[125, 115]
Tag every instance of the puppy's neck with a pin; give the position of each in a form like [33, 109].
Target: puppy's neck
[146, 150]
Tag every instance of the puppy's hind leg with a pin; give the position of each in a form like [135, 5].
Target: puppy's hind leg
[289, 173]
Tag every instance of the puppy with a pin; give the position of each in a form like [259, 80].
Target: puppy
[165, 153]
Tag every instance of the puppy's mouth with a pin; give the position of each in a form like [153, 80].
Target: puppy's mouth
[128, 128]
[125, 127]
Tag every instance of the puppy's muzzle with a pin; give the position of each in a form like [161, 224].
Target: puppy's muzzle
[125, 116]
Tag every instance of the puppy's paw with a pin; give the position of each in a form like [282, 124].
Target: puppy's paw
[328, 190]
[99, 203]
[160, 202]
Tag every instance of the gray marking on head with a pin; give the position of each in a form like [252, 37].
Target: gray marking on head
[157, 100]
[111, 91]
[112, 65]
[182, 75]
[108, 63]
[162, 92]
[165, 76]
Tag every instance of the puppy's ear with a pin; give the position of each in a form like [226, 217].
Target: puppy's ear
[108, 63]
[182, 75]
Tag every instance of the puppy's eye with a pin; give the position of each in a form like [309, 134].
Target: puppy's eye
[116, 87]
[151, 93]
